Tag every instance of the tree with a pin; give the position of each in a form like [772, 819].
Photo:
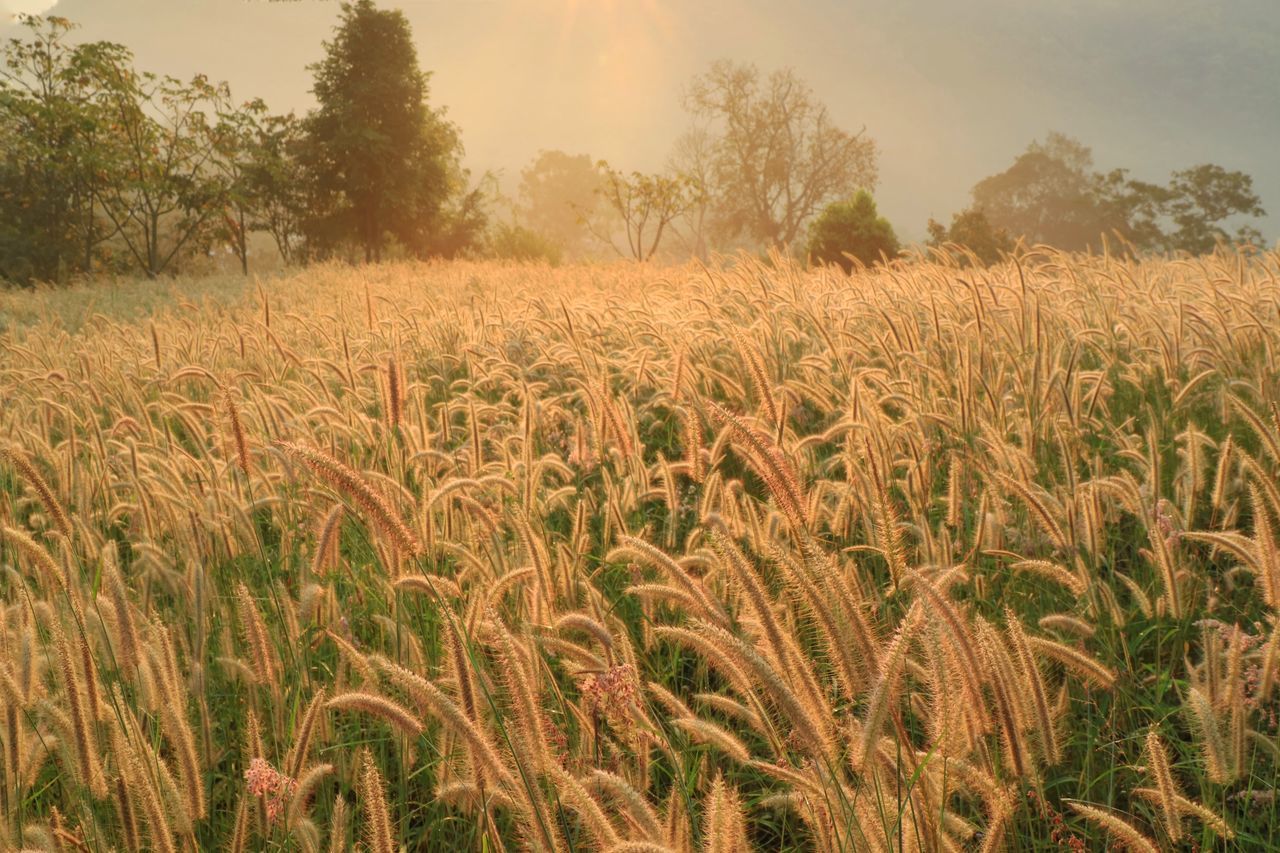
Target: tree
[647, 205]
[171, 190]
[56, 151]
[275, 182]
[1051, 195]
[461, 226]
[851, 229]
[236, 135]
[777, 157]
[559, 195]
[692, 158]
[1200, 198]
[971, 229]
[382, 162]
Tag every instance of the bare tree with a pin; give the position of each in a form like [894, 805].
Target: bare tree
[777, 157]
[692, 158]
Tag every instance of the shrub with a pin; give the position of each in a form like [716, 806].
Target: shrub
[851, 229]
[515, 242]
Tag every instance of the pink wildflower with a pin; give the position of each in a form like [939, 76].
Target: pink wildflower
[274, 787]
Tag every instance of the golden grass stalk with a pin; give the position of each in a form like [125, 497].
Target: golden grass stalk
[1008, 706]
[303, 791]
[126, 635]
[1190, 808]
[53, 576]
[265, 665]
[706, 732]
[82, 723]
[27, 471]
[1034, 683]
[240, 826]
[302, 735]
[638, 548]
[239, 442]
[351, 485]
[432, 699]
[1079, 663]
[892, 661]
[395, 395]
[379, 835]
[338, 826]
[1159, 770]
[1053, 572]
[772, 466]
[1038, 508]
[571, 793]
[638, 810]
[725, 830]
[381, 707]
[1212, 745]
[326, 553]
[1129, 836]
[143, 790]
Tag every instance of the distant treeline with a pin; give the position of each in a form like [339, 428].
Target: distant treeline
[105, 168]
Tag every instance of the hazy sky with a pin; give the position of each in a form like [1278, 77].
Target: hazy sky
[951, 91]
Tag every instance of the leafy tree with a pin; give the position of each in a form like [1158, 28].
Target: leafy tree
[56, 151]
[971, 229]
[172, 190]
[647, 205]
[275, 182]
[1052, 195]
[235, 138]
[461, 226]
[559, 195]
[851, 229]
[1199, 199]
[776, 156]
[382, 161]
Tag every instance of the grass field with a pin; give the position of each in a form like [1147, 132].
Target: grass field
[482, 557]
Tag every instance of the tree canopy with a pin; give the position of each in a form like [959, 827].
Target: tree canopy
[560, 198]
[383, 163]
[972, 230]
[851, 229]
[1052, 195]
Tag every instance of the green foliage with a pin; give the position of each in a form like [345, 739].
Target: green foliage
[1202, 197]
[273, 181]
[383, 163]
[972, 230]
[515, 242]
[1052, 196]
[56, 151]
[851, 228]
[105, 167]
[109, 168]
[172, 189]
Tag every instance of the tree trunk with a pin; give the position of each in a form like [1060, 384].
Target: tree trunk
[243, 243]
